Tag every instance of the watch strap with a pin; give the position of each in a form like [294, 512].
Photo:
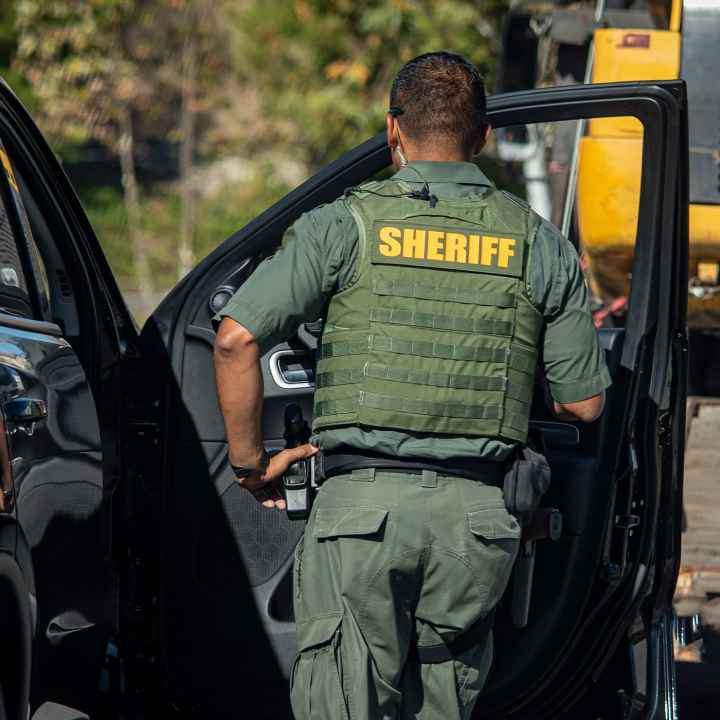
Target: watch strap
[244, 471]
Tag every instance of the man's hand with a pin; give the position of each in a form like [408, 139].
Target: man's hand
[267, 488]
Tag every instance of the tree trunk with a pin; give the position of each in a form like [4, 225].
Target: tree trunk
[134, 220]
[187, 157]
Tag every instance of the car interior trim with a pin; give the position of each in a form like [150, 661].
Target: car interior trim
[36, 326]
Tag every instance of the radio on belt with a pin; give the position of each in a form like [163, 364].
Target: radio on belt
[296, 480]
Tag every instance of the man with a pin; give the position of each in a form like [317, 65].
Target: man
[438, 292]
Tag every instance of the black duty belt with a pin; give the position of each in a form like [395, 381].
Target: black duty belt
[329, 465]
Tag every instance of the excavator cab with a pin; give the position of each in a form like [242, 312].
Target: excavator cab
[618, 41]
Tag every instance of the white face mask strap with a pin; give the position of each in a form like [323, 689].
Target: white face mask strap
[399, 150]
[401, 155]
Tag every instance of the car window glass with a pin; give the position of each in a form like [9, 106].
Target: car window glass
[35, 267]
[584, 177]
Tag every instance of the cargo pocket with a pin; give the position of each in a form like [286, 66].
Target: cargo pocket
[495, 538]
[316, 681]
[334, 522]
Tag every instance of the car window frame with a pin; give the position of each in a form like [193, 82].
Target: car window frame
[649, 309]
[38, 291]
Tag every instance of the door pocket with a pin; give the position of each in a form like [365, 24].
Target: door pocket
[333, 522]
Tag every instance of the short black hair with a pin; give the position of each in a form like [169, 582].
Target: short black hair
[440, 95]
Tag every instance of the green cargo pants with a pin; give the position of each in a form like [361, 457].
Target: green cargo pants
[392, 562]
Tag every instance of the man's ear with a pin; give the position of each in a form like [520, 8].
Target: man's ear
[392, 138]
[391, 133]
[482, 140]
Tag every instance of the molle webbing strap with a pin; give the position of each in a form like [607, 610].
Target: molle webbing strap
[340, 348]
[374, 402]
[468, 296]
[517, 358]
[350, 376]
[521, 391]
[408, 405]
[523, 360]
[486, 326]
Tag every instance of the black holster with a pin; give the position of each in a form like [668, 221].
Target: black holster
[526, 481]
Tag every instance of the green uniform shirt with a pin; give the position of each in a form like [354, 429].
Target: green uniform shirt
[318, 258]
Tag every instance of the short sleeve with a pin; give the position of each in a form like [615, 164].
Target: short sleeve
[573, 359]
[317, 257]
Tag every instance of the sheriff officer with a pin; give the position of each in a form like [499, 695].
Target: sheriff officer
[442, 292]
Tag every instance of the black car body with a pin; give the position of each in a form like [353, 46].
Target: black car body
[137, 579]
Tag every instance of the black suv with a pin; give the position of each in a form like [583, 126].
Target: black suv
[137, 579]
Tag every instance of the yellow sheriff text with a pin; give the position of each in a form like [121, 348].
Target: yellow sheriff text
[445, 246]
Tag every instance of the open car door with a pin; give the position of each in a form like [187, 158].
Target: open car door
[212, 568]
[63, 329]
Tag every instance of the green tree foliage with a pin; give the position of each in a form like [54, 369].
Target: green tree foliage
[117, 72]
[269, 90]
[8, 49]
[90, 64]
[75, 54]
[324, 67]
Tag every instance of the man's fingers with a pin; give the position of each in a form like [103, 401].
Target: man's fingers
[276, 496]
[307, 450]
[267, 490]
[269, 496]
[301, 452]
[280, 462]
[304, 451]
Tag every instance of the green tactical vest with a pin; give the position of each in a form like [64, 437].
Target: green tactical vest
[435, 333]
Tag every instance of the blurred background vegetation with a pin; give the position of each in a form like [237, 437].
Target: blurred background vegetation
[178, 121]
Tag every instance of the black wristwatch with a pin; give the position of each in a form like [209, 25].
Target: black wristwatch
[245, 471]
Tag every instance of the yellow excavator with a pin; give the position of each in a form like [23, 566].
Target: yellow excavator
[614, 41]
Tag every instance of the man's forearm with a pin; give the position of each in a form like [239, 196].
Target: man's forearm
[584, 410]
[240, 392]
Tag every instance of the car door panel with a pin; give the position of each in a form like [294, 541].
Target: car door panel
[229, 555]
[226, 558]
[57, 359]
[568, 567]
[59, 503]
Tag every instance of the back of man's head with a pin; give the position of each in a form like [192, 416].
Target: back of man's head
[440, 99]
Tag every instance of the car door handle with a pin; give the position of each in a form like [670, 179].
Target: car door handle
[25, 410]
